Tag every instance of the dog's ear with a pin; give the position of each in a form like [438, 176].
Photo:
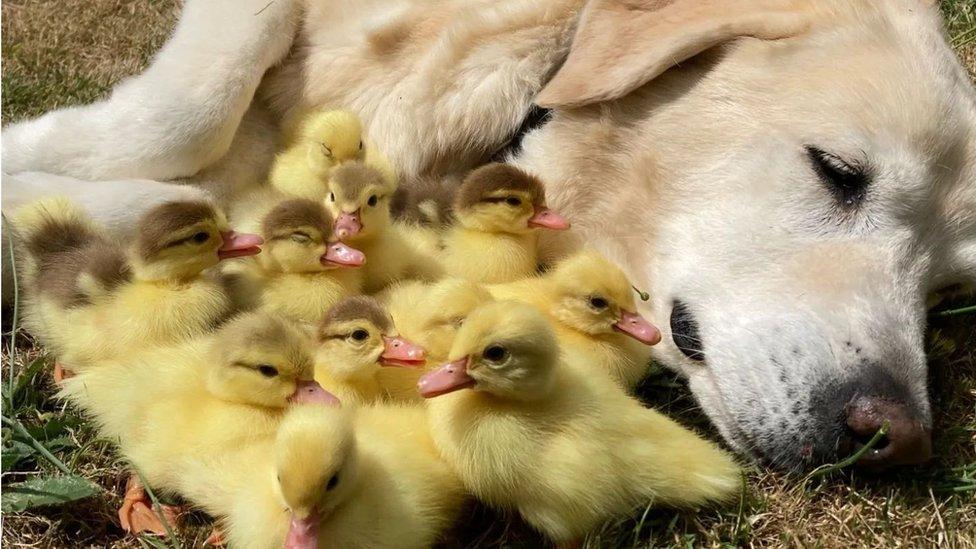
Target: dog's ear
[623, 44]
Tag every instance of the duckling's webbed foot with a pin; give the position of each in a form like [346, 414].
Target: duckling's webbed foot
[216, 538]
[61, 373]
[137, 514]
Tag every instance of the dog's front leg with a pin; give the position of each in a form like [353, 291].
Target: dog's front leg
[178, 116]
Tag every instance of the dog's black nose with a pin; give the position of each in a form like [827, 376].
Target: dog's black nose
[908, 441]
[685, 333]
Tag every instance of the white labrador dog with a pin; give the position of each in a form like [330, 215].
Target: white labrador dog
[788, 178]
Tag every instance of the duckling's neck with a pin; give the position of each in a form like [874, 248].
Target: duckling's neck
[162, 278]
[490, 257]
[345, 374]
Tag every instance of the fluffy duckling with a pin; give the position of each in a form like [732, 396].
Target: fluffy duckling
[498, 209]
[91, 298]
[303, 270]
[356, 338]
[208, 396]
[529, 430]
[359, 201]
[321, 141]
[362, 478]
[595, 314]
[429, 314]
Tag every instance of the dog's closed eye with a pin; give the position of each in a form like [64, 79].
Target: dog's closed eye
[847, 181]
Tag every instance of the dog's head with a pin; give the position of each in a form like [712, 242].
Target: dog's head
[791, 179]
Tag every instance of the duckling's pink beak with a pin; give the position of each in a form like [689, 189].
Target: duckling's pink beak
[303, 533]
[450, 377]
[341, 255]
[348, 224]
[239, 245]
[548, 219]
[310, 392]
[638, 328]
[403, 353]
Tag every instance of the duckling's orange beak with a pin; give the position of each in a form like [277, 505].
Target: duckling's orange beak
[348, 224]
[403, 353]
[341, 255]
[239, 245]
[450, 377]
[638, 328]
[310, 392]
[303, 533]
[548, 219]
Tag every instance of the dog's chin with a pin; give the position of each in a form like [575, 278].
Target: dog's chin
[780, 451]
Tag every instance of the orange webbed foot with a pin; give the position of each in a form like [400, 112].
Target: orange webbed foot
[61, 373]
[216, 538]
[137, 514]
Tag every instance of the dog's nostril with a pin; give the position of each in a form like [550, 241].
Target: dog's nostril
[685, 333]
[907, 442]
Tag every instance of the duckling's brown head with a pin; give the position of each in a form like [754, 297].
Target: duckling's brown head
[433, 315]
[332, 137]
[264, 360]
[359, 200]
[299, 239]
[504, 348]
[178, 240]
[501, 198]
[315, 467]
[357, 336]
[592, 294]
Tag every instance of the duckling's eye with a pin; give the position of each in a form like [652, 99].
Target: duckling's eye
[513, 201]
[333, 482]
[360, 145]
[359, 334]
[372, 200]
[598, 302]
[331, 197]
[201, 237]
[326, 149]
[495, 353]
[301, 238]
[267, 370]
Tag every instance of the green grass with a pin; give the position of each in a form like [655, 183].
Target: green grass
[63, 52]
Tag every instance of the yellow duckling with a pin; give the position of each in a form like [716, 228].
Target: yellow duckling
[429, 314]
[174, 410]
[303, 270]
[498, 209]
[90, 298]
[595, 314]
[356, 338]
[321, 141]
[529, 430]
[361, 478]
[359, 201]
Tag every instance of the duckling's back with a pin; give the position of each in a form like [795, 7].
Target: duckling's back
[67, 266]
